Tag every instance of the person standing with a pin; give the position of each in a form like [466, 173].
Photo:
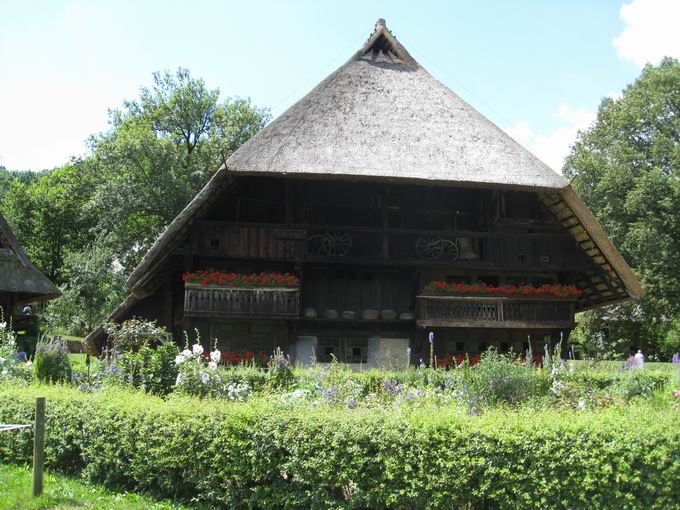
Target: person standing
[639, 359]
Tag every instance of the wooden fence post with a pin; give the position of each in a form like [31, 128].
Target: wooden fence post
[38, 446]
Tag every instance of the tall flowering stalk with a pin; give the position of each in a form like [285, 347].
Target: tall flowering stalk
[8, 350]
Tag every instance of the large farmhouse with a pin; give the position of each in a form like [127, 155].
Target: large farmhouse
[401, 210]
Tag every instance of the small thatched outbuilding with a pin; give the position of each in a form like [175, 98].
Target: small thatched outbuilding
[20, 281]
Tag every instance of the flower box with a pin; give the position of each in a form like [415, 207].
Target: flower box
[439, 288]
[237, 280]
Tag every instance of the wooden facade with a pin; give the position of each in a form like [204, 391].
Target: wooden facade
[369, 247]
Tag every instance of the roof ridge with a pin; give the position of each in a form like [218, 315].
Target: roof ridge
[383, 41]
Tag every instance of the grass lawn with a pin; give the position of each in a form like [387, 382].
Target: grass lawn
[65, 493]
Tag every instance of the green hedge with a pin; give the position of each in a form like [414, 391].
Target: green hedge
[261, 455]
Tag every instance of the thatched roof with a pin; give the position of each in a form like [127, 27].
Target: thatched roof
[382, 117]
[18, 275]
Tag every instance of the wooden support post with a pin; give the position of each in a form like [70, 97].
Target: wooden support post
[38, 446]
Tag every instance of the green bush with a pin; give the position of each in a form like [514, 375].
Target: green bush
[638, 383]
[254, 377]
[153, 370]
[497, 379]
[52, 364]
[259, 455]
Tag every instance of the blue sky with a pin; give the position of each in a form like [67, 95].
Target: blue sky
[538, 69]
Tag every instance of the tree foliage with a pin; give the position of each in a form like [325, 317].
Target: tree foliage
[94, 286]
[79, 220]
[626, 167]
[161, 150]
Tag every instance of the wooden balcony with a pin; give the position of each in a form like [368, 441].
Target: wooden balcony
[495, 312]
[233, 303]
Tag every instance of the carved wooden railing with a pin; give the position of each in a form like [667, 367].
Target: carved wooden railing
[495, 312]
[231, 302]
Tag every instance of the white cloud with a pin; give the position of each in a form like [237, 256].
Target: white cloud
[651, 33]
[553, 147]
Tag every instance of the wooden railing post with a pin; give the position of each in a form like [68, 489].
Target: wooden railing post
[38, 446]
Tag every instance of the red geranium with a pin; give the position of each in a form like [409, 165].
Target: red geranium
[241, 280]
[235, 358]
[556, 290]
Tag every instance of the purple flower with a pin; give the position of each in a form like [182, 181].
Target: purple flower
[430, 337]
[392, 386]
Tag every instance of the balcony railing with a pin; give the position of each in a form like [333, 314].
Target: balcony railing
[495, 312]
[231, 302]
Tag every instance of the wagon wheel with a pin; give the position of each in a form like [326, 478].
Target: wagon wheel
[450, 251]
[314, 244]
[429, 247]
[336, 244]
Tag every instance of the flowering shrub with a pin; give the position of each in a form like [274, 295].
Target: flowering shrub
[241, 280]
[134, 333]
[280, 373]
[499, 379]
[198, 378]
[10, 368]
[51, 361]
[556, 290]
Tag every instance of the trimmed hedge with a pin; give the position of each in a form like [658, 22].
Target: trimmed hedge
[262, 455]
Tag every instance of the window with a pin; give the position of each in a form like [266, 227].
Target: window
[460, 347]
[223, 334]
[356, 350]
[263, 338]
[347, 350]
[505, 347]
[328, 348]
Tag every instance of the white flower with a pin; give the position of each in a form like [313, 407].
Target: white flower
[212, 365]
[216, 356]
[186, 353]
[198, 349]
[179, 359]
[2, 360]
[3, 325]
[29, 363]
[205, 378]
